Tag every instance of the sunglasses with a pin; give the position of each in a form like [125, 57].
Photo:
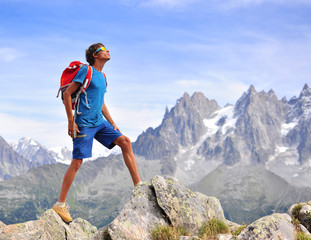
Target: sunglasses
[100, 49]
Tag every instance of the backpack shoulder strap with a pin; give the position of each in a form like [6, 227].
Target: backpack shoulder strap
[105, 79]
[88, 77]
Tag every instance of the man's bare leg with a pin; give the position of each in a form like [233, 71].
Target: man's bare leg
[60, 207]
[68, 178]
[125, 144]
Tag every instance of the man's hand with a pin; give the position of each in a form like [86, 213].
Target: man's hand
[115, 127]
[72, 132]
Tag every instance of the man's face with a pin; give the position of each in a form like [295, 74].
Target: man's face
[102, 53]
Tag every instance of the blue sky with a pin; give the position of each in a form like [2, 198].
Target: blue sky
[159, 50]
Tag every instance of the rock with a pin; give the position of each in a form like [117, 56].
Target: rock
[49, 227]
[138, 217]
[227, 236]
[305, 216]
[189, 238]
[302, 211]
[274, 227]
[184, 207]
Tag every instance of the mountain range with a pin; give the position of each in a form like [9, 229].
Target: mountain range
[197, 136]
[256, 151]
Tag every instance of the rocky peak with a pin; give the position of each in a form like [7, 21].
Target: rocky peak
[300, 107]
[24, 144]
[260, 116]
[197, 103]
[306, 91]
[182, 125]
[11, 163]
[271, 95]
[244, 101]
[252, 101]
[34, 152]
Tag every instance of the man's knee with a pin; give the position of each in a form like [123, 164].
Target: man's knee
[76, 163]
[123, 141]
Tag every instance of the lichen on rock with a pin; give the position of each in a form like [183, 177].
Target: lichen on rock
[274, 227]
[48, 227]
[138, 217]
[184, 207]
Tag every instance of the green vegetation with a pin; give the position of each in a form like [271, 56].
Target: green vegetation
[299, 234]
[302, 236]
[306, 221]
[212, 228]
[239, 229]
[209, 231]
[296, 210]
[168, 233]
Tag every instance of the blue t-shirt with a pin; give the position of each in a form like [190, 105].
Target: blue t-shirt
[92, 116]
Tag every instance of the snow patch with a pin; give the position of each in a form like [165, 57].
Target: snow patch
[280, 149]
[291, 162]
[64, 155]
[286, 127]
[101, 151]
[227, 114]
[189, 164]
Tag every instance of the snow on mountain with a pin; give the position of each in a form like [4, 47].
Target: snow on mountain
[191, 164]
[61, 154]
[259, 129]
[101, 151]
[24, 145]
[287, 127]
[40, 155]
[33, 151]
[223, 120]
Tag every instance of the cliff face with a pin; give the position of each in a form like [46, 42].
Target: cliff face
[164, 202]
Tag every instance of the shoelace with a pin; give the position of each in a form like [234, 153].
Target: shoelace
[67, 206]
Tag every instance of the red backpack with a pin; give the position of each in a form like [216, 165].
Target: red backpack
[67, 76]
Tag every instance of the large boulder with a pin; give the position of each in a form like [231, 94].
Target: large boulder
[137, 218]
[183, 207]
[273, 227]
[49, 227]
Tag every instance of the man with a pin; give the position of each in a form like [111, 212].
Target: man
[91, 124]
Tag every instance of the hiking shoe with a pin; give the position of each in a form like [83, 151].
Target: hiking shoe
[63, 213]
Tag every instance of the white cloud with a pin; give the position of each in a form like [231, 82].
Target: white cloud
[211, 4]
[8, 54]
[216, 86]
[185, 83]
[49, 134]
[160, 3]
[132, 119]
[229, 4]
[168, 3]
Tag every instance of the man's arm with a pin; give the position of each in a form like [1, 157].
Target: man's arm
[68, 106]
[108, 117]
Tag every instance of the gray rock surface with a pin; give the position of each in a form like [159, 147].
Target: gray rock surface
[11, 163]
[138, 217]
[182, 125]
[49, 227]
[184, 207]
[34, 152]
[274, 227]
[165, 202]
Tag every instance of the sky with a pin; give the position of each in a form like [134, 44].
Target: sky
[159, 49]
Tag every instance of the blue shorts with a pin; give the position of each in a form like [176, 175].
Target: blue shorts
[104, 133]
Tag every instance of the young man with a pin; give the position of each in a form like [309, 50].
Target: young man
[91, 124]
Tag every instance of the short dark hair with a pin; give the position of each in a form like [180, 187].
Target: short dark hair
[89, 52]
